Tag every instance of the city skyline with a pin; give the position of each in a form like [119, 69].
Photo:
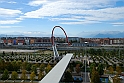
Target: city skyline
[80, 18]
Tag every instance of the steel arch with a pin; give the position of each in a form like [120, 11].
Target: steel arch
[52, 38]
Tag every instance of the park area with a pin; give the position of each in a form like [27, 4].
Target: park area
[32, 65]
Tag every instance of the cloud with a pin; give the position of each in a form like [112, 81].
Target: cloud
[79, 22]
[35, 33]
[9, 21]
[73, 11]
[37, 2]
[9, 12]
[88, 11]
[26, 33]
[9, 16]
[12, 2]
[66, 19]
[118, 24]
[10, 26]
[74, 3]
[32, 32]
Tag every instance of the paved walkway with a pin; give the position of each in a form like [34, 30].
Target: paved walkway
[87, 78]
[16, 50]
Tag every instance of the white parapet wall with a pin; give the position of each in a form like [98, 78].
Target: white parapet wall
[56, 73]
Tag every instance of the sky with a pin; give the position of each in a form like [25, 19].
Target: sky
[79, 18]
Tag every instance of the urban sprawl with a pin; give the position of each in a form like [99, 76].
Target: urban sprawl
[46, 41]
[94, 60]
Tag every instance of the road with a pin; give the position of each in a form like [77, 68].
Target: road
[16, 50]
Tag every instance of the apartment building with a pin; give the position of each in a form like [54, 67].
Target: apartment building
[74, 41]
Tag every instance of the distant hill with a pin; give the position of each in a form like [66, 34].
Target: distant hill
[98, 34]
[110, 35]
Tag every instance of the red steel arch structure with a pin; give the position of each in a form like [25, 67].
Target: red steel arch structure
[55, 75]
[52, 38]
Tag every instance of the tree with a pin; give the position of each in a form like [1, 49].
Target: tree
[95, 78]
[8, 66]
[116, 79]
[65, 53]
[111, 70]
[68, 77]
[24, 64]
[118, 70]
[3, 53]
[18, 64]
[15, 65]
[32, 76]
[23, 75]
[99, 52]
[78, 68]
[71, 67]
[34, 68]
[48, 68]
[5, 75]
[28, 67]
[75, 55]
[93, 65]
[12, 53]
[103, 51]
[41, 75]
[92, 51]
[100, 69]
[14, 75]
[15, 53]
[2, 65]
[42, 67]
